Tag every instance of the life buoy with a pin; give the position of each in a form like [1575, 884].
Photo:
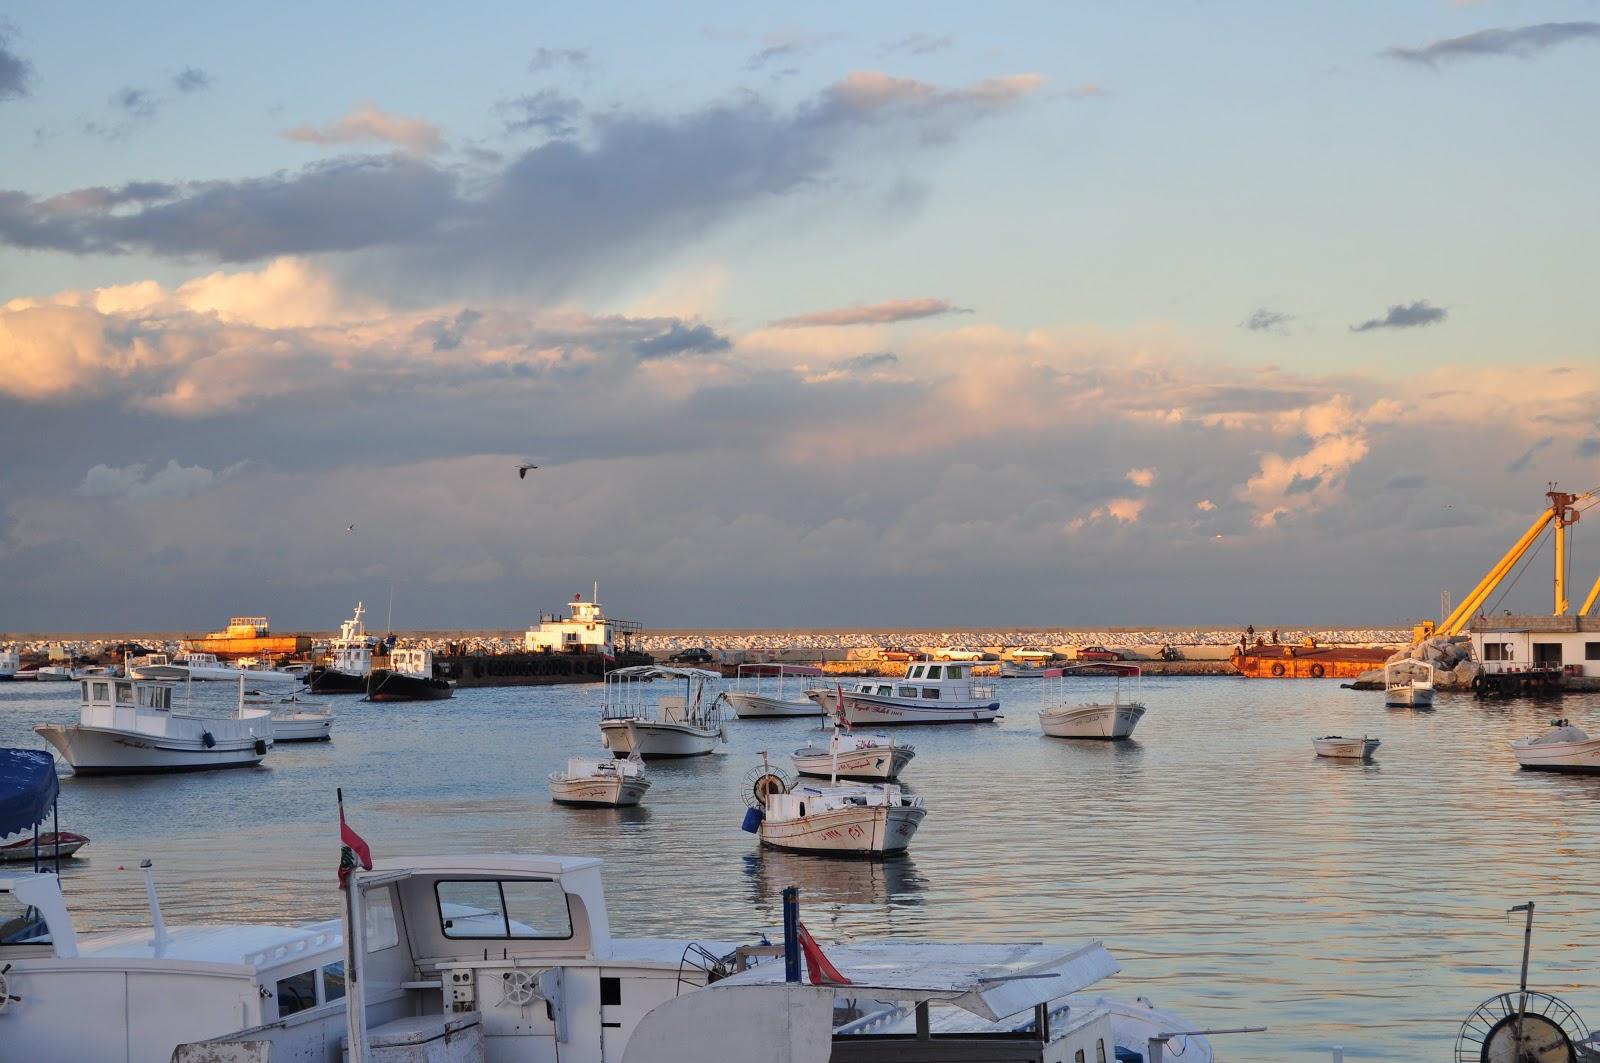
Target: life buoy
[1317, 671]
[1277, 668]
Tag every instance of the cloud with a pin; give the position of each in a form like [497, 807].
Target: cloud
[917, 44]
[16, 73]
[1264, 320]
[367, 122]
[787, 45]
[1205, 505]
[883, 313]
[546, 59]
[547, 111]
[1522, 41]
[1088, 90]
[1407, 482]
[1588, 448]
[1121, 510]
[1338, 434]
[173, 482]
[1404, 315]
[678, 338]
[1525, 459]
[1142, 477]
[191, 79]
[543, 220]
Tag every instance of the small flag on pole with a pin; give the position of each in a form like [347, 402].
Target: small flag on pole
[818, 968]
[355, 849]
[838, 708]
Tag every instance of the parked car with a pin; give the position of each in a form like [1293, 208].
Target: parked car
[1098, 653]
[692, 655]
[900, 653]
[959, 653]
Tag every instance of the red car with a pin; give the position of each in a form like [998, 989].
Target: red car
[1098, 653]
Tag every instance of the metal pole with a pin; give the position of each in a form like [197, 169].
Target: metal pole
[791, 935]
[55, 825]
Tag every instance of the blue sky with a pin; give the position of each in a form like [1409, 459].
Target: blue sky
[334, 265]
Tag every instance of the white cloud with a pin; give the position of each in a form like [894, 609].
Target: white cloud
[368, 122]
[168, 484]
[1142, 477]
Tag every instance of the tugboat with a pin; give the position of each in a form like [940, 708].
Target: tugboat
[350, 663]
[409, 677]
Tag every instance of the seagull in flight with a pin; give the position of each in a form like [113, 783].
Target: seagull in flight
[522, 470]
[349, 527]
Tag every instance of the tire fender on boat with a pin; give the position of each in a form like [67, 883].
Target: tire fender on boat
[1317, 671]
[1277, 668]
[261, 747]
[208, 739]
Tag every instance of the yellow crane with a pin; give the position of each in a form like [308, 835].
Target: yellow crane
[1562, 512]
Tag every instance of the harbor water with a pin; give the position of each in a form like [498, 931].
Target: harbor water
[1239, 880]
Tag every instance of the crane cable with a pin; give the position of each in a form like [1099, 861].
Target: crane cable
[1523, 566]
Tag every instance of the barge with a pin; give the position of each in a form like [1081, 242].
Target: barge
[1308, 662]
[249, 636]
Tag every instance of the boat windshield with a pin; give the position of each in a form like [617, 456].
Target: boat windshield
[21, 924]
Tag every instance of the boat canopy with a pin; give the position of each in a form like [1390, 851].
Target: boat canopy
[28, 788]
[656, 671]
[990, 981]
[773, 669]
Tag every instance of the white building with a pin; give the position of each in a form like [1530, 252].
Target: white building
[1519, 643]
[586, 630]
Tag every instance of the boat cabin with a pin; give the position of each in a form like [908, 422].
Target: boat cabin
[586, 630]
[926, 682]
[414, 661]
[105, 695]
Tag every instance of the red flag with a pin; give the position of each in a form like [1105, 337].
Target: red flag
[818, 969]
[838, 708]
[355, 849]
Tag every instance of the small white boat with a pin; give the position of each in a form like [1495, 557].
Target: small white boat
[1341, 748]
[852, 819]
[600, 783]
[788, 699]
[54, 673]
[689, 725]
[930, 693]
[853, 756]
[201, 668]
[52, 844]
[128, 726]
[10, 662]
[1564, 747]
[1026, 664]
[1111, 720]
[1408, 684]
[294, 720]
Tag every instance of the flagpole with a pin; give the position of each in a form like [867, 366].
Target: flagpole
[355, 1005]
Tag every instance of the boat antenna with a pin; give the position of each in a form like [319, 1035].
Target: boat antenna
[157, 924]
[389, 627]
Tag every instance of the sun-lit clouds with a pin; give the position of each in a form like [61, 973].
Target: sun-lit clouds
[1142, 477]
[367, 122]
[1205, 505]
[867, 91]
[883, 313]
[1523, 42]
[1300, 483]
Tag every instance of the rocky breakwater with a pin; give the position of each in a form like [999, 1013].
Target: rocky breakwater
[1450, 655]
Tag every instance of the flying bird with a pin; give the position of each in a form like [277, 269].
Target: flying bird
[349, 527]
[522, 470]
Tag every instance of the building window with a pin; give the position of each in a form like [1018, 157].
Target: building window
[1497, 651]
[1591, 651]
[1547, 654]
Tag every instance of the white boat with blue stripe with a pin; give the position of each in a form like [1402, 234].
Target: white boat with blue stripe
[931, 692]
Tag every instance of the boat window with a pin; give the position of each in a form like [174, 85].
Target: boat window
[297, 992]
[518, 908]
[381, 930]
[21, 924]
[935, 671]
[931, 693]
[124, 693]
[333, 981]
[952, 672]
[915, 672]
[886, 689]
[1077, 1057]
[908, 692]
[610, 990]
[102, 692]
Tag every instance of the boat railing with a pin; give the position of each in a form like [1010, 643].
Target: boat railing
[982, 692]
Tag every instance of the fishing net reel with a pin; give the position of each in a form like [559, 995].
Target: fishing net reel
[1543, 1029]
[762, 782]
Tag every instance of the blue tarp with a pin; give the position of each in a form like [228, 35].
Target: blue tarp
[27, 788]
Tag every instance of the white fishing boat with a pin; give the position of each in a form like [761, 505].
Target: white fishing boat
[850, 819]
[54, 673]
[1025, 664]
[930, 693]
[200, 668]
[853, 756]
[294, 720]
[128, 726]
[750, 700]
[133, 995]
[510, 958]
[635, 716]
[1341, 748]
[600, 783]
[350, 660]
[1565, 747]
[10, 662]
[1106, 720]
[1408, 684]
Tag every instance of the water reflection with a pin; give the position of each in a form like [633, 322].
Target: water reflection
[833, 880]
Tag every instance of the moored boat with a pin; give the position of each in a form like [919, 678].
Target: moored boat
[930, 693]
[1111, 720]
[1564, 747]
[853, 756]
[128, 726]
[609, 783]
[349, 662]
[689, 725]
[294, 720]
[10, 662]
[1341, 748]
[409, 677]
[200, 668]
[54, 673]
[751, 701]
[51, 845]
[1308, 662]
[1408, 684]
[833, 819]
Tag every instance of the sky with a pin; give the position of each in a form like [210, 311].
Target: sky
[906, 316]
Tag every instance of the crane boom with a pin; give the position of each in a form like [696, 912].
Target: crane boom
[1457, 620]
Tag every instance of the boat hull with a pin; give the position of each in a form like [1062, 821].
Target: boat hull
[303, 727]
[1345, 748]
[872, 831]
[1301, 662]
[111, 751]
[51, 846]
[884, 710]
[749, 706]
[1409, 698]
[1582, 758]
[657, 739]
[875, 763]
[333, 681]
[1105, 722]
[593, 792]
[384, 685]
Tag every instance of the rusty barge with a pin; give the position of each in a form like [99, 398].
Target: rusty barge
[1308, 662]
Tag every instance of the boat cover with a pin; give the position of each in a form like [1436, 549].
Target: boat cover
[991, 981]
[27, 788]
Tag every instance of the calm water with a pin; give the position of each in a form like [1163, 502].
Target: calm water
[1237, 878]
